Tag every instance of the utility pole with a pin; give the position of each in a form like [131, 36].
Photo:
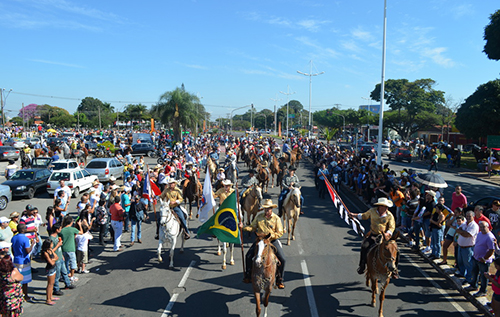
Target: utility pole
[310, 92]
[275, 112]
[288, 93]
[251, 117]
[78, 119]
[99, 117]
[2, 104]
[22, 105]
[232, 115]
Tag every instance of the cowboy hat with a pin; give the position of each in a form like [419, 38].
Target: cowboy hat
[292, 168]
[227, 182]
[431, 192]
[252, 171]
[112, 179]
[172, 180]
[383, 202]
[221, 169]
[268, 203]
[159, 166]
[96, 182]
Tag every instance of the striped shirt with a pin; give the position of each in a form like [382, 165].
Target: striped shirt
[29, 221]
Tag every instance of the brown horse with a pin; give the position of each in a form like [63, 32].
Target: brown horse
[212, 167]
[251, 203]
[275, 169]
[263, 271]
[291, 212]
[263, 176]
[295, 156]
[381, 263]
[192, 190]
[39, 152]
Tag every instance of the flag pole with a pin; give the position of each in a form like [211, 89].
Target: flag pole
[241, 231]
[152, 200]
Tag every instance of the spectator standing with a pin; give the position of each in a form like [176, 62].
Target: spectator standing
[136, 216]
[467, 237]
[67, 190]
[50, 257]
[14, 221]
[429, 204]
[484, 249]
[61, 271]
[437, 231]
[102, 220]
[495, 286]
[493, 215]
[478, 216]
[117, 212]
[125, 202]
[452, 226]
[11, 295]
[21, 249]
[397, 198]
[82, 245]
[458, 199]
[68, 233]
[6, 233]
[322, 173]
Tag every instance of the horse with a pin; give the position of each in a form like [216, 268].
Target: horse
[170, 229]
[263, 271]
[225, 246]
[275, 169]
[39, 152]
[295, 156]
[480, 155]
[80, 155]
[263, 176]
[212, 167]
[25, 160]
[279, 178]
[381, 263]
[251, 204]
[231, 173]
[291, 212]
[193, 191]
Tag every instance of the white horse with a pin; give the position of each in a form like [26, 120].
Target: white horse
[170, 229]
[225, 246]
[291, 212]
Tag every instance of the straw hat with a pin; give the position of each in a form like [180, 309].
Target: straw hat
[268, 203]
[227, 182]
[172, 180]
[431, 192]
[383, 202]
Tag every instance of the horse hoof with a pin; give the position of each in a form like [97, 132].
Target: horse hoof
[231, 263]
[171, 267]
[373, 304]
[160, 260]
[219, 253]
[293, 238]
[223, 267]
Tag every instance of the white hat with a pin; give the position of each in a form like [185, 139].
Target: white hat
[227, 182]
[5, 244]
[172, 180]
[383, 202]
[431, 192]
[112, 179]
[127, 189]
[4, 220]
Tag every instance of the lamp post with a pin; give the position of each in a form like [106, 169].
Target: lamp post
[310, 92]
[287, 93]
[2, 103]
[382, 88]
[275, 112]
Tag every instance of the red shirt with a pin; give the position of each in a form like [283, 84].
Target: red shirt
[458, 201]
[116, 212]
[483, 218]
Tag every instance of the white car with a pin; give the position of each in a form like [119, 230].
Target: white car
[386, 149]
[78, 180]
[64, 164]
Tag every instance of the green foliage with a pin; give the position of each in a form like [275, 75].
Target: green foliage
[107, 145]
[17, 121]
[135, 112]
[492, 37]
[92, 107]
[479, 116]
[329, 133]
[63, 120]
[84, 121]
[409, 102]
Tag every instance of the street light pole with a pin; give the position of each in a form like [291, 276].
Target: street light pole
[382, 91]
[275, 112]
[2, 103]
[310, 92]
[288, 93]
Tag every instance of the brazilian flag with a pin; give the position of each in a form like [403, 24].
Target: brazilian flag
[224, 223]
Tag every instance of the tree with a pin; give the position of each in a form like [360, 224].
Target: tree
[135, 112]
[329, 134]
[479, 116]
[410, 102]
[29, 112]
[492, 37]
[98, 113]
[17, 121]
[64, 120]
[177, 108]
[81, 119]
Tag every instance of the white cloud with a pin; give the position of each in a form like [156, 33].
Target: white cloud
[360, 34]
[55, 63]
[462, 10]
[436, 54]
[311, 24]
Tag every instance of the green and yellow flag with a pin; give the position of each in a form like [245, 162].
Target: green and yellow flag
[224, 223]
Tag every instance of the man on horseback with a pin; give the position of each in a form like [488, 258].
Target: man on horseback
[174, 195]
[247, 182]
[382, 222]
[286, 149]
[225, 191]
[263, 224]
[289, 182]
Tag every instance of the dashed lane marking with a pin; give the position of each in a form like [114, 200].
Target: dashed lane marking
[309, 290]
[168, 310]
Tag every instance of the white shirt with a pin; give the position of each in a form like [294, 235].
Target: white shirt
[82, 241]
[66, 189]
[473, 229]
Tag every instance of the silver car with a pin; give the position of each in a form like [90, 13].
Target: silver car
[104, 168]
[5, 196]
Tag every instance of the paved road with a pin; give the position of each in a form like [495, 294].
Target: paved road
[320, 273]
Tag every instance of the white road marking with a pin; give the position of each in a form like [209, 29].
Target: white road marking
[299, 243]
[309, 290]
[168, 310]
[443, 293]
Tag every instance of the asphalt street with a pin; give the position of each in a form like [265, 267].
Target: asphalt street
[320, 277]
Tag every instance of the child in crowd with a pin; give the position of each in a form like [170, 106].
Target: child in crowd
[82, 245]
[495, 286]
[50, 257]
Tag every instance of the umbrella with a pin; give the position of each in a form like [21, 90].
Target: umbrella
[431, 179]
[51, 131]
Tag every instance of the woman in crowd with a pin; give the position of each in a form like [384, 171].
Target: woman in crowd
[59, 210]
[495, 286]
[50, 257]
[452, 226]
[14, 221]
[11, 296]
[437, 230]
[51, 218]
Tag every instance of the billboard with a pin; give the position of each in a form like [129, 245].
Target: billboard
[372, 108]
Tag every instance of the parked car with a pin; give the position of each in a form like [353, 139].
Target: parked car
[366, 150]
[78, 180]
[345, 147]
[104, 168]
[400, 154]
[65, 164]
[8, 153]
[486, 202]
[15, 142]
[53, 141]
[143, 149]
[32, 141]
[386, 149]
[5, 196]
[27, 182]
[41, 162]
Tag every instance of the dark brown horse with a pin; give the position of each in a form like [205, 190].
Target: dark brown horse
[381, 264]
[263, 176]
[275, 169]
[192, 190]
[263, 271]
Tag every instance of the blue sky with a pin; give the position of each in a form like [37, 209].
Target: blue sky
[234, 53]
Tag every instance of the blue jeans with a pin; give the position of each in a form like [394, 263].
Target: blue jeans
[417, 227]
[478, 269]
[436, 239]
[61, 270]
[126, 220]
[464, 260]
[179, 213]
[70, 260]
[132, 234]
[427, 230]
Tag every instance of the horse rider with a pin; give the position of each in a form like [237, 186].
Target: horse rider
[231, 160]
[225, 191]
[174, 195]
[188, 172]
[289, 182]
[220, 177]
[214, 156]
[247, 182]
[266, 223]
[286, 149]
[382, 222]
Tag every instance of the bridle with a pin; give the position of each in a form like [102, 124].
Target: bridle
[381, 256]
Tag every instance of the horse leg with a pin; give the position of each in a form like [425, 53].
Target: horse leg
[289, 225]
[272, 181]
[160, 246]
[257, 303]
[231, 251]
[182, 244]
[266, 300]
[374, 290]
[219, 251]
[294, 223]
[224, 248]
[382, 297]
[173, 241]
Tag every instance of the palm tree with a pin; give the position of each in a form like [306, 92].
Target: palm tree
[329, 133]
[178, 108]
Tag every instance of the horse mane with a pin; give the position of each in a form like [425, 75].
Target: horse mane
[289, 195]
